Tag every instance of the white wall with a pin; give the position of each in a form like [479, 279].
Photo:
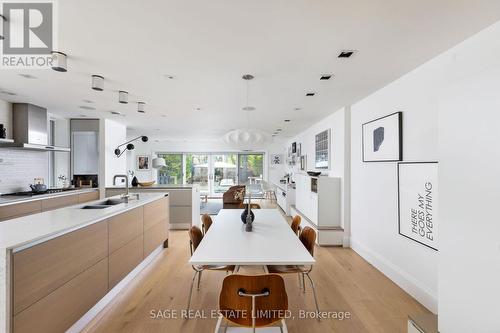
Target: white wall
[469, 185]
[273, 173]
[460, 89]
[111, 135]
[338, 123]
[374, 188]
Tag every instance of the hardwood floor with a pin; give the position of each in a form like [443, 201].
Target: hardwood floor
[344, 282]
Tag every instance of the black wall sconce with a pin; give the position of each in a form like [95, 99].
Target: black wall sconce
[130, 146]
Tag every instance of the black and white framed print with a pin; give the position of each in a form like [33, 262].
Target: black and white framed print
[322, 150]
[294, 147]
[383, 139]
[418, 202]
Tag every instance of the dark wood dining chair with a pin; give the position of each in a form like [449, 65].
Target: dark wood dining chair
[244, 299]
[296, 224]
[206, 222]
[195, 238]
[308, 239]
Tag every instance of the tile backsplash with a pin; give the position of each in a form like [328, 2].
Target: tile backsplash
[18, 168]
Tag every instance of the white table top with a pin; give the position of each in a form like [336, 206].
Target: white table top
[272, 241]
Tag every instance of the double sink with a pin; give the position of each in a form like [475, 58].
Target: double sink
[105, 204]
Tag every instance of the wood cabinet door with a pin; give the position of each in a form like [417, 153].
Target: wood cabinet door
[8, 212]
[62, 308]
[59, 202]
[41, 269]
[125, 227]
[124, 260]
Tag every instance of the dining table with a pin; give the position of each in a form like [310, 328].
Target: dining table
[271, 241]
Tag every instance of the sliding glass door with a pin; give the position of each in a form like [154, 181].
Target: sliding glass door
[224, 173]
[197, 171]
[215, 173]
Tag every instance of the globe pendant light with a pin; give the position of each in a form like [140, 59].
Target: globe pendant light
[247, 138]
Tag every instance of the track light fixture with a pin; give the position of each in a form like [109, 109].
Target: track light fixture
[97, 82]
[123, 97]
[59, 61]
[129, 145]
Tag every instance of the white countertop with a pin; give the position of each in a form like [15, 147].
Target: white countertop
[7, 199]
[32, 229]
[155, 186]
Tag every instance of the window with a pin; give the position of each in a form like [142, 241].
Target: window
[172, 173]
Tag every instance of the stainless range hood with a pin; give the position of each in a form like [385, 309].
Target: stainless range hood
[30, 129]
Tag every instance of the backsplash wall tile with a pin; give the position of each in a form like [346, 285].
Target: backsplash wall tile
[18, 168]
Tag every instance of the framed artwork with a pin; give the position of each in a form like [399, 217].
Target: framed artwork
[294, 147]
[303, 163]
[299, 149]
[418, 202]
[383, 139]
[143, 163]
[322, 154]
[276, 159]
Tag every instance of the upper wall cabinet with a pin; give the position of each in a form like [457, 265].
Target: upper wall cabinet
[85, 153]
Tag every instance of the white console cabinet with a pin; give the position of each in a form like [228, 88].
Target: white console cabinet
[318, 201]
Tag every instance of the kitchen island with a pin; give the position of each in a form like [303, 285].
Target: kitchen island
[56, 265]
[184, 201]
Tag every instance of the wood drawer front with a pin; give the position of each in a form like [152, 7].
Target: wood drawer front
[181, 212]
[155, 212]
[20, 209]
[86, 197]
[54, 203]
[62, 308]
[124, 260]
[155, 236]
[41, 269]
[124, 227]
[180, 197]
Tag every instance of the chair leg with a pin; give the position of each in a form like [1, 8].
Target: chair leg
[303, 283]
[191, 290]
[199, 279]
[314, 293]
[300, 281]
[283, 327]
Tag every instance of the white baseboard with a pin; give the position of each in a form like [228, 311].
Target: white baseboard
[404, 280]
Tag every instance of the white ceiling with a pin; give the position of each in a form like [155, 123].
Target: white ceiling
[208, 45]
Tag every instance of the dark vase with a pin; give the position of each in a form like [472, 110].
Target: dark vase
[135, 182]
[245, 213]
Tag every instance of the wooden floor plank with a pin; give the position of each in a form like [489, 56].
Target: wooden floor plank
[344, 282]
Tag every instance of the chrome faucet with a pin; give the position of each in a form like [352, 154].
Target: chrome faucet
[127, 195]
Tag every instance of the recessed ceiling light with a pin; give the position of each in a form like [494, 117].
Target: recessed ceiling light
[278, 130]
[169, 76]
[88, 101]
[163, 115]
[326, 77]
[28, 76]
[297, 109]
[198, 109]
[8, 93]
[287, 120]
[83, 116]
[86, 107]
[273, 135]
[310, 94]
[346, 53]
[116, 113]
[249, 108]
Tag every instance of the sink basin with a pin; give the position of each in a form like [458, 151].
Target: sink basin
[112, 202]
[95, 206]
